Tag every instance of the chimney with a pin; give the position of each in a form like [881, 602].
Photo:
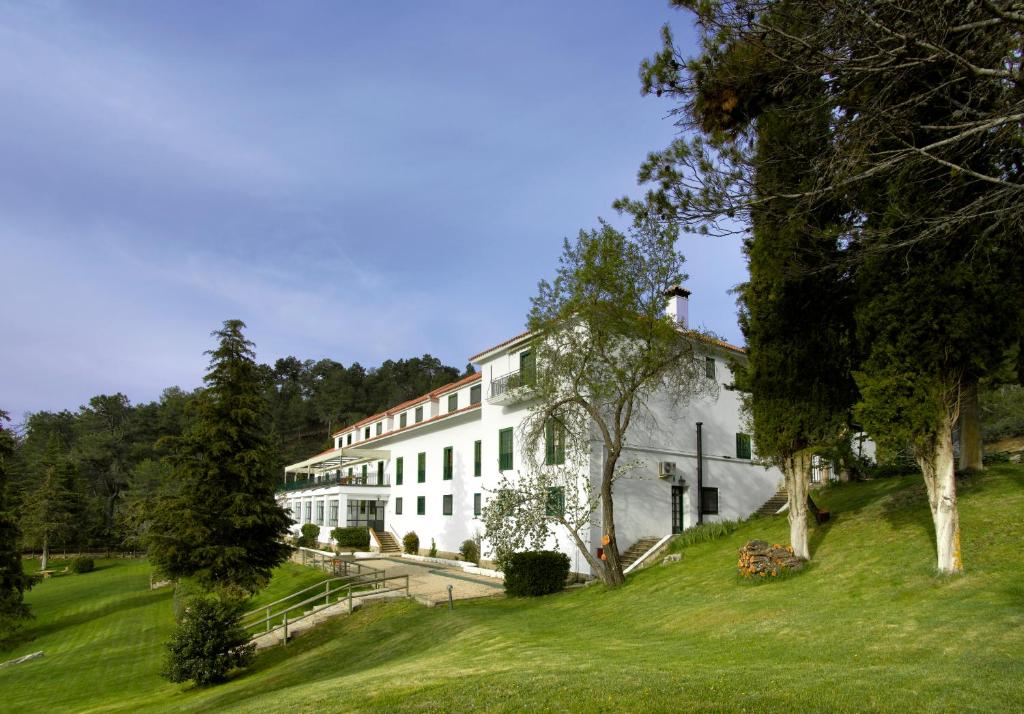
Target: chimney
[678, 307]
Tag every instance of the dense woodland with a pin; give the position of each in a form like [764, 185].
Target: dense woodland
[79, 478]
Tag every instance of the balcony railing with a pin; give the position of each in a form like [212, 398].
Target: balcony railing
[511, 381]
[300, 484]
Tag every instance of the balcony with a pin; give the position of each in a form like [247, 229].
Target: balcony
[357, 481]
[512, 387]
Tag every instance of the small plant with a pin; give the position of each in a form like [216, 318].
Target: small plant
[411, 543]
[357, 537]
[208, 642]
[82, 564]
[704, 533]
[310, 535]
[470, 551]
[538, 572]
[433, 548]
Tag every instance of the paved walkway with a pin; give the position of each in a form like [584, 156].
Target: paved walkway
[428, 585]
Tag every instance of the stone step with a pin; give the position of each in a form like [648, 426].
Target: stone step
[636, 550]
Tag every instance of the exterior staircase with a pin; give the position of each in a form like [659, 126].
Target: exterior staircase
[773, 504]
[636, 550]
[389, 545]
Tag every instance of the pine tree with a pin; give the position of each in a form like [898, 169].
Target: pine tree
[13, 580]
[222, 525]
[54, 508]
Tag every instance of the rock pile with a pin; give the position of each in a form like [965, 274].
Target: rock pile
[759, 559]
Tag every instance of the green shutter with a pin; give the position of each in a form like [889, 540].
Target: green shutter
[364, 473]
[421, 467]
[742, 446]
[477, 449]
[556, 501]
[399, 470]
[380, 472]
[447, 473]
[549, 442]
[421, 505]
[476, 504]
[402, 420]
[453, 402]
[505, 462]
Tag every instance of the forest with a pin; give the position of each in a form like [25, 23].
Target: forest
[79, 479]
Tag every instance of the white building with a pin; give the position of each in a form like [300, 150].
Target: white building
[429, 465]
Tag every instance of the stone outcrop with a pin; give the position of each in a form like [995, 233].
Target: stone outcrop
[760, 559]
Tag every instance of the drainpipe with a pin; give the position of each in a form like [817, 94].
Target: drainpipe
[700, 474]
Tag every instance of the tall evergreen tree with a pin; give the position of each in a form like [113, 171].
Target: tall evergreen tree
[13, 580]
[53, 508]
[222, 525]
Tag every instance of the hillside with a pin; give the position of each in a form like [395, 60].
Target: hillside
[867, 627]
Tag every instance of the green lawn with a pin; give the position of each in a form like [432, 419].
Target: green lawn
[867, 627]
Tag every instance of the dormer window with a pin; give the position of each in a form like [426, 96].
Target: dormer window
[419, 414]
[453, 402]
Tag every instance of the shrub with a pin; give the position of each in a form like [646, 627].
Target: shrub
[82, 565]
[411, 543]
[433, 548]
[537, 572]
[470, 551]
[310, 535]
[356, 537]
[208, 642]
[705, 532]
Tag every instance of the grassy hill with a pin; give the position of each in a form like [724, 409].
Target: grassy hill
[867, 627]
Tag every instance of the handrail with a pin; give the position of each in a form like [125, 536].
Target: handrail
[307, 589]
[353, 480]
[375, 578]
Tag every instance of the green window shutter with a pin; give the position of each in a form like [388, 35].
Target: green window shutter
[421, 505]
[446, 505]
[421, 467]
[399, 470]
[527, 366]
[476, 504]
[453, 402]
[402, 420]
[380, 472]
[448, 466]
[709, 367]
[477, 449]
[556, 502]
[419, 414]
[742, 446]
[364, 473]
[398, 506]
[505, 462]
[549, 442]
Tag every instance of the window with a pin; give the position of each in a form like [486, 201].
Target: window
[453, 402]
[398, 506]
[742, 446]
[505, 449]
[366, 433]
[419, 414]
[477, 448]
[399, 470]
[709, 367]
[709, 500]
[554, 443]
[296, 511]
[555, 505]
[527, 366]
[332, 514]
[446, 505]
[309, 512]
[364, 474]
[348, 441]
[349, 470]
[447, 465]
[380, 472]
[403, 420]
[421, 505]
[476, 504]
[474, 394]
[380, 428]
[421, 467]
[319, 513]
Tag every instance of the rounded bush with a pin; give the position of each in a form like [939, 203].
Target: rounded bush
[82, 565]
[208, 642]
[310, 535]
[536, 572]
[355, 537]
[411, 543]
[470, 551]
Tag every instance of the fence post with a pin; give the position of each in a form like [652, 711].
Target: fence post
[349, 599]
[284, 639]
[327, 592]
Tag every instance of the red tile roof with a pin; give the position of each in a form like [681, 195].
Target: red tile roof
[500, 345]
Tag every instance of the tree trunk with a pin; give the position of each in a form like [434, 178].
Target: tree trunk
[797, 470]
[970, 430]
[46, 553]
[612, 574]
[940, 480]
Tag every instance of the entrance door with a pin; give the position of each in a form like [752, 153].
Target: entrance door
[678, 509]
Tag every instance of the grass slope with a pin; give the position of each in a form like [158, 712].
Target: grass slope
[867, 627]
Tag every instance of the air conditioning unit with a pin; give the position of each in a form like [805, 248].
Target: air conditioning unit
[667, 469]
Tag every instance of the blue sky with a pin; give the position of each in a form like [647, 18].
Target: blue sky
[356, 181]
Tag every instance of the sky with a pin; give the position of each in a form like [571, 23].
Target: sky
[356, 181]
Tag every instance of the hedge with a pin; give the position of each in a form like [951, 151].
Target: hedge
[82, 565]
[354, 537]
[537, 572]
